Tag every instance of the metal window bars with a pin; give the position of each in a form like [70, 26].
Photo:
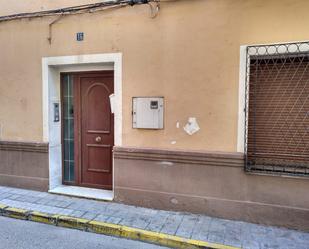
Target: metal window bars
[277, 109]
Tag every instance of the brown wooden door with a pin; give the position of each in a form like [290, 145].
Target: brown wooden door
[95, 129]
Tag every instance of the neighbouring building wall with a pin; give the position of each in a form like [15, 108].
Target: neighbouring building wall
[189, 54]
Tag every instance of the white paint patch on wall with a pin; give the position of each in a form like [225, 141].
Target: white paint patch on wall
[192, 126]
[112, 102]
[166, 163]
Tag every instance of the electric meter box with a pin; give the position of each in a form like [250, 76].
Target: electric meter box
[148, 112]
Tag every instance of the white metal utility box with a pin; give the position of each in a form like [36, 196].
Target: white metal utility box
[148, 112]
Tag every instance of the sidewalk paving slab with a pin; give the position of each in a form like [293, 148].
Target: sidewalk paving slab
[189, 226]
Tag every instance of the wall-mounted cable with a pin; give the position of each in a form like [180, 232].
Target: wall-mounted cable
[79, 9]
[50, 26]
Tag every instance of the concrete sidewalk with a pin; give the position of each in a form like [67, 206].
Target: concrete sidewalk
[191, 226]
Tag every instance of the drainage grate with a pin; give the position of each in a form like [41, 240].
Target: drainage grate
[277, 109]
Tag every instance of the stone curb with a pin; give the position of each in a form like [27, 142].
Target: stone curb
[109, 229]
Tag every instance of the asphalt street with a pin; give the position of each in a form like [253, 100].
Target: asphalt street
[19, 234]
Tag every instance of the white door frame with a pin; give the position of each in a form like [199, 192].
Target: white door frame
[51, 69]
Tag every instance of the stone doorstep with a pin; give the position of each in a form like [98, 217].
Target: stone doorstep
[109, 229]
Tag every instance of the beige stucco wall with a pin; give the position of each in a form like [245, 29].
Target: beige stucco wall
[189, 54]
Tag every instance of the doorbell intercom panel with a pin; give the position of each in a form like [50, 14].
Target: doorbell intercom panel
[56, 112]
[148, 112]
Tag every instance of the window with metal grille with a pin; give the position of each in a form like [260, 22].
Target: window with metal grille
[277, 109]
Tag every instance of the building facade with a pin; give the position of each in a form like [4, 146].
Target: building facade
[201, 107]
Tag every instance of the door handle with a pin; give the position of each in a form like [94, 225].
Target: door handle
[98, 139]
